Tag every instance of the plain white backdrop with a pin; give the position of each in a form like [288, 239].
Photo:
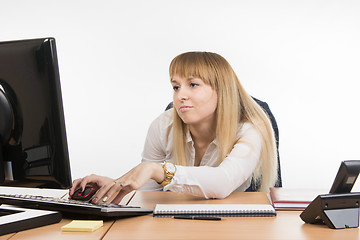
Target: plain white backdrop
[301, 56]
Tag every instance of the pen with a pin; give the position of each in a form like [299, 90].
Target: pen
[198, 218]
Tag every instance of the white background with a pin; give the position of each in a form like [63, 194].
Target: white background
[302, 57]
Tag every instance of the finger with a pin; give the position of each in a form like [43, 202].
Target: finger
[103, 193]
[75, 186]
[123, 192]
[84, 183]
[117, 186]
[92, 180]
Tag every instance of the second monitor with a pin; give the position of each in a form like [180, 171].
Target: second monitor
[33, 145]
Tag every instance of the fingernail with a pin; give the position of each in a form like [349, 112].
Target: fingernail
[105, 198]
[94, 200]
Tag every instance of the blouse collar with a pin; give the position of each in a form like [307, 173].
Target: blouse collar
[190, 140]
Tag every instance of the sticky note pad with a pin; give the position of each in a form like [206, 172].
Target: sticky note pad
[82, 226]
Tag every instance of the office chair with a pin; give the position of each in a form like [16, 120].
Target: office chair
[266, 108]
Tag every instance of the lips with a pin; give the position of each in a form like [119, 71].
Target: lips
[185, 108]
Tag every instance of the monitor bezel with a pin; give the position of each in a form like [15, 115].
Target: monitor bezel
[60, 172]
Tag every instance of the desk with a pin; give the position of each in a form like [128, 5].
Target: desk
[286, 225]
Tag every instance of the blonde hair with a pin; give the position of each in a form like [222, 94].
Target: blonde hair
[235, 106]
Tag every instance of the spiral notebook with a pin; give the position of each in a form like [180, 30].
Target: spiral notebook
[219, 210]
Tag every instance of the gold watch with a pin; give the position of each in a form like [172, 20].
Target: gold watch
[169, 169]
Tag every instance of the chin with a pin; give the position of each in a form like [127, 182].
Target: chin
[188, 118]
[188, 121]
[185, 120]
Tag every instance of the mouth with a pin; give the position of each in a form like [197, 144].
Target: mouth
[185, 108]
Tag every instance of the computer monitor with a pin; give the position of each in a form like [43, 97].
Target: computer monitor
[346, 176]
[33, 145]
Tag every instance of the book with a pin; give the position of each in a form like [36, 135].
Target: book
[82, 226]
[292, 199]
[216, 210]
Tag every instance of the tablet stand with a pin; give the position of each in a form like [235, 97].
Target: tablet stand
[335, 210]
[15, 219]
[342, 218]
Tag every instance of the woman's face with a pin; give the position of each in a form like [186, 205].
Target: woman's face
[194, 101]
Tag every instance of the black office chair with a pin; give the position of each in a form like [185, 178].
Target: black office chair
[266, 108]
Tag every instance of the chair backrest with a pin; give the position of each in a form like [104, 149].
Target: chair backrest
[266, 108]
[274, 125]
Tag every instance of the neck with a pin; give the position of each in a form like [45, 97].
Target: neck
[202, 137]
[203, 134]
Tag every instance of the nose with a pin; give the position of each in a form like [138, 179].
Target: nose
[183, 94]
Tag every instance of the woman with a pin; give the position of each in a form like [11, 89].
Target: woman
[214, 141]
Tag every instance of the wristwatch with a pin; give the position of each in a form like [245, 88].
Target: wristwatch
[169, 169]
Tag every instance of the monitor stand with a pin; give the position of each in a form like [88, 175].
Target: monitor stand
[15, 219]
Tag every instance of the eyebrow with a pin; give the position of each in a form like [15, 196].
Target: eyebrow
[188, 79]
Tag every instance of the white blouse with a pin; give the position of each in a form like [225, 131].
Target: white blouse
[207, 180]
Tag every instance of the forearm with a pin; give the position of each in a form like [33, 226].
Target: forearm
[158, 174]
[207, 182]
[234, 173]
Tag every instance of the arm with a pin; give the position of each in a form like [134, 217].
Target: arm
[205, 181]
[219, 182]
[132, 180]
[116, 189]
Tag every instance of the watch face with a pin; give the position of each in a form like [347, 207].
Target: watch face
[170, 167]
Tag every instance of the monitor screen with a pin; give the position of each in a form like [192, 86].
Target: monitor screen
[33, 145]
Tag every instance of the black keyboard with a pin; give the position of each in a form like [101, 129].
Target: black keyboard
[73, 207]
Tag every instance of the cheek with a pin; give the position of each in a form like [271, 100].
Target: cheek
[213, 104]
[176, 101]
[176, 104]
[213, 99]
[210, 103]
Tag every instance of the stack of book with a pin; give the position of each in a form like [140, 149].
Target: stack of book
[293, 199]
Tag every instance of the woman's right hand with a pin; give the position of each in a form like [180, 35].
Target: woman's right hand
[113, 190]
[92, 180]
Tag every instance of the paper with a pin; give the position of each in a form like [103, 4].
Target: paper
[82, 226]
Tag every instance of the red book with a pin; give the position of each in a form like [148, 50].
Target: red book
[292, 198]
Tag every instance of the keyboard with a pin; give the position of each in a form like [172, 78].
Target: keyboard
[81, 209]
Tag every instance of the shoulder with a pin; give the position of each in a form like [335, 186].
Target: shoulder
[158, 141]
[164, 120]
[162, 125]
[245, 127]
[247, 130]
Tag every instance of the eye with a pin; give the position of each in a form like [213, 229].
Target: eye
[194, 84]
[176, 88]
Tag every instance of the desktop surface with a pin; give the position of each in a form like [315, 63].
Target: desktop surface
[286, 225]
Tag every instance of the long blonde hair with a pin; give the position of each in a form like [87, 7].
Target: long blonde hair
[235, 106]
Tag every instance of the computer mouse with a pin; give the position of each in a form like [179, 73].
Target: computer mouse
[84, 195]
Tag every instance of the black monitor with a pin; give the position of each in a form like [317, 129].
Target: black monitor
[346, 176]
[33, 145]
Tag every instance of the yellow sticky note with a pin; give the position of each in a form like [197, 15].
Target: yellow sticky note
[82, 226]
